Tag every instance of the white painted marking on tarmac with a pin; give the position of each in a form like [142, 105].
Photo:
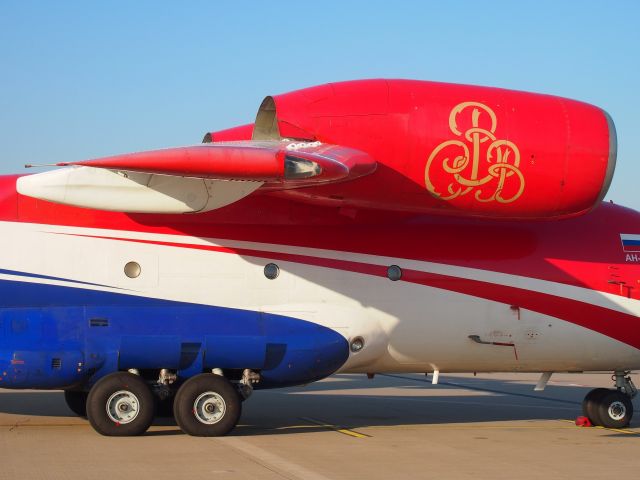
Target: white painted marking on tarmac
[271, 461]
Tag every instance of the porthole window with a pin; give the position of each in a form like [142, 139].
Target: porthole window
[271, 271]
[394, 273]
[132, 270]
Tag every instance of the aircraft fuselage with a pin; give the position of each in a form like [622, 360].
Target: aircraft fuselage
[86, 293]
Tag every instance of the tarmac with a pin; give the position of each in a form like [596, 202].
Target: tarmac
[492, 426]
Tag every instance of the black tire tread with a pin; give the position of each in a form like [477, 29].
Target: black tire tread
[164, 407]
[76, 402]
[189, 391]
[590, 405]
[603, 407]
[104, 388]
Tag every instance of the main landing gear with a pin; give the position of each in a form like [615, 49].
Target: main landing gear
[76, 401]
[207, 405]
[124, 404]
[120, 404]
[611, 408]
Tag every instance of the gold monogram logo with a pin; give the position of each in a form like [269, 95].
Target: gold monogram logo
[489, 169]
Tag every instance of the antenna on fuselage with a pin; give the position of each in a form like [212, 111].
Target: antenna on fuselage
[36, 165]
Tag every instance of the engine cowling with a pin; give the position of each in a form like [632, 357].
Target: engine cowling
[453, 149]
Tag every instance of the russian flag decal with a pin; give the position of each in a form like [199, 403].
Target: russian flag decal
[630, 243]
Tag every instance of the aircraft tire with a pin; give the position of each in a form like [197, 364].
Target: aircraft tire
[591, 402]
[614, 410]
[77, 402]
[164, 407]
[207, 405]
[120, 405]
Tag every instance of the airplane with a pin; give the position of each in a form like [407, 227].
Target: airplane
[367, 226]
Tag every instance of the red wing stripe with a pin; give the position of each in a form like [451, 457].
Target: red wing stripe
[618, 325]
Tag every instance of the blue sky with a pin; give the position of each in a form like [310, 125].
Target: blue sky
[86, 79]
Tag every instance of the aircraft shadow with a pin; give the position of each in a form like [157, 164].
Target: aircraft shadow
[353, 402]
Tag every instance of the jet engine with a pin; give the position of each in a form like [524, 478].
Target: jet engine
[452, 149]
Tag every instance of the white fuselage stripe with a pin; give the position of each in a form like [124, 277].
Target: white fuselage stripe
[580, 294]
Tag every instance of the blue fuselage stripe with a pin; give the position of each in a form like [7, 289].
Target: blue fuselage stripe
[111, 331]
[47, 277]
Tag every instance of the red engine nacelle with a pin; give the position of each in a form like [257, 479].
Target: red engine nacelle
[451, 149]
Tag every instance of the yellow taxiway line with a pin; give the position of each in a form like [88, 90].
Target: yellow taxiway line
[336, 428]
[626, 431]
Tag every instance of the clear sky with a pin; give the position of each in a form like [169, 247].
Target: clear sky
[86, 79]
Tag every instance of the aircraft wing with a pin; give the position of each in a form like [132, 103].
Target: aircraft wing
[196, 178]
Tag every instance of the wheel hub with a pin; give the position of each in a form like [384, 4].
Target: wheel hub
[123, 407]
[209, 408]
[617, 410]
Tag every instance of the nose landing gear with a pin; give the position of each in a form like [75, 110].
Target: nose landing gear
[611, 408]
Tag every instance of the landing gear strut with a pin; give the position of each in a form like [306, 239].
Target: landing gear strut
[165, 393]
[611, 408]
